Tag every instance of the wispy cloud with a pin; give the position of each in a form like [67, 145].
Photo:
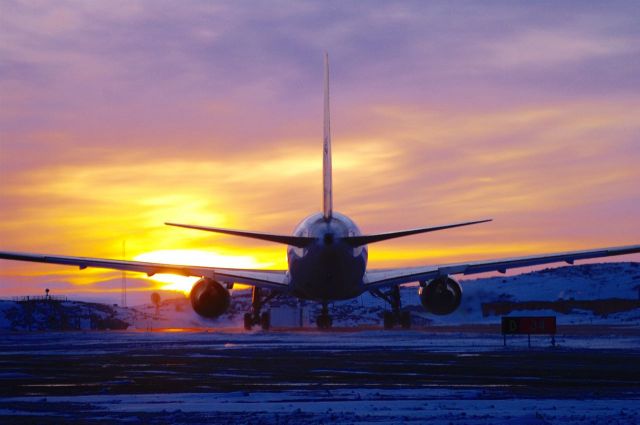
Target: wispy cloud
[545, 48]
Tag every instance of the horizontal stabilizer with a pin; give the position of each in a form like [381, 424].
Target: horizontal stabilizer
[367, 239]
[298, 241]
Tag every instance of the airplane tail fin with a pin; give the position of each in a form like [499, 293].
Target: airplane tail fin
[327, 195]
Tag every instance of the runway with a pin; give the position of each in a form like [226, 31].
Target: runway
[350, 376]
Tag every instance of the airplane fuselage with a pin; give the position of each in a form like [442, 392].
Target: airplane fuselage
[329, 268]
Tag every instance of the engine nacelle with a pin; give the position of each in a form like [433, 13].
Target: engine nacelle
[441, 296]
[209, 298]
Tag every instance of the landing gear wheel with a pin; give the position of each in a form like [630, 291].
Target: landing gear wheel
[265, 321]
[389, 320]
[324, 321]
[396, 316]
[248, 321]
[405, 319]
[255, 317]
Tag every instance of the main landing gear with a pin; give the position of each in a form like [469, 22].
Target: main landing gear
[255, 317]
[323, 321]
[396, 315]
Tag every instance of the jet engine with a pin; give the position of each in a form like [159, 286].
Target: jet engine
[209, 298]
[441, 296]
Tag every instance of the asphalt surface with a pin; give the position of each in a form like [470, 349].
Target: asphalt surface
[44, 376]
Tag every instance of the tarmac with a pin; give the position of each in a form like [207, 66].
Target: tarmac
[453, 374]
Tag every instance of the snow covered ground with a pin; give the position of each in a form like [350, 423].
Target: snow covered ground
[356, 377]
[355, 406]
[450, 369]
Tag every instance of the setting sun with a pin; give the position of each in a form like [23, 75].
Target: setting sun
[195, 258]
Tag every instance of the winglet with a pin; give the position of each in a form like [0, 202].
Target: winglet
[327, 196]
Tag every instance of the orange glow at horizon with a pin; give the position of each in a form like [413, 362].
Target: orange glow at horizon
[195, 258]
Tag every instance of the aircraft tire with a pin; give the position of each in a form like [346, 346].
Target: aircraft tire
[388, 320]
[405, 319]
[248, 321]
[323, 322]
[265, 321]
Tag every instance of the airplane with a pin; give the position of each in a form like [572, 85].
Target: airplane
[327, 261]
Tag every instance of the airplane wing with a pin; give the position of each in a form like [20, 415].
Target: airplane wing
[264, 278]
[380, 278]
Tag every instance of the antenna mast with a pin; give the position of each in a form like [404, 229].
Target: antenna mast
[124, 276]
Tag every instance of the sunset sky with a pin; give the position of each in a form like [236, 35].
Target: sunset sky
[116, 116]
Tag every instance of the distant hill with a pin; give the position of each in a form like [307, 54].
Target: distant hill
[607, 293]
[52, 314]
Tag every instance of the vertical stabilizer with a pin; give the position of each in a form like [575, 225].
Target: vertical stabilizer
[327, 196]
